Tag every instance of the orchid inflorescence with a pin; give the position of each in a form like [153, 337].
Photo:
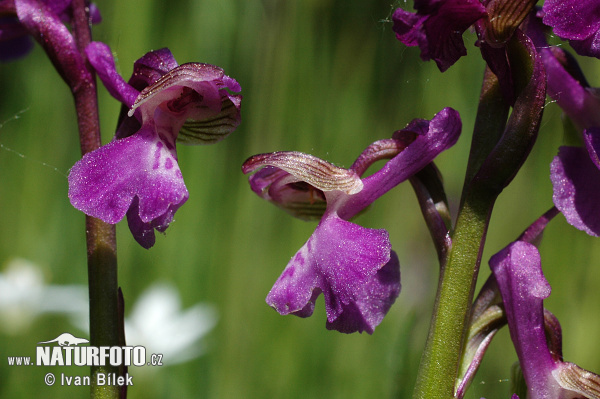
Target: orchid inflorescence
[137, 175]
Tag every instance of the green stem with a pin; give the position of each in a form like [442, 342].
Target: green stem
[440, 363]
[441, 358]
[104, 305]
[101, 237]
[498, 150]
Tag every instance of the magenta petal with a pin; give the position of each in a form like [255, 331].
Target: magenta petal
[151, 66]
[373, 303]
[104, 182]
[572, 19]
[345, 262]
[589, 47]
[407, 26]
[576, 182]
[445, 28]
[576, 20]
[518, 271]
[142, 232]
[101, 58]
[95, 15]
[437, 28]
[432, 138]
[578, 102]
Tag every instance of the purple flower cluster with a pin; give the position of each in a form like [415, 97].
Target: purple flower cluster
[137, 174]
[438, 25]
[436, 28]
[575, 171]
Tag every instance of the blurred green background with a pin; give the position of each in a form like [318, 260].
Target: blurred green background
[320, 76]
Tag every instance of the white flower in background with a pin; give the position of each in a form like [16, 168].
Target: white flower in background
[158, 323]
[24, 296]
[156, 320]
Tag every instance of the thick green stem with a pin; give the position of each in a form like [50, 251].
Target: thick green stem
[441, 358]
[104, 304]
[101, 237]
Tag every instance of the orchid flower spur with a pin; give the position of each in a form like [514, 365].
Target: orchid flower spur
[354, 267]
[577, 21]
[137, 173]
[535, 332]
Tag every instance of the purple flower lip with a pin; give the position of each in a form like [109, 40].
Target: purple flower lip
[523, 287]
[137, 174]
[352, 266]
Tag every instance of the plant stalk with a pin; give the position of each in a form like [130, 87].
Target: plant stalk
[100, 236]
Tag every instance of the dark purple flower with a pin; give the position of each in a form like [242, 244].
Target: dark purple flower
[575, 171]
[137, 173]
[354, 267]
[536, 333]
[16, 28]
[577, 21]
[575, 175]
[437, 28]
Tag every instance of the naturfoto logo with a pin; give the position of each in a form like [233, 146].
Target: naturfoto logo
[64, 350]
[68, 353]
[66, 339]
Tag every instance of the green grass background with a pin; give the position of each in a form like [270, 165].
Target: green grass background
[320, 76]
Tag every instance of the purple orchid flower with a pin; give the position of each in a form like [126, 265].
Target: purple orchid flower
[15, 39]
[437, 28]
[577, 21]
[517, 269]
[575, 175]
[137, 174]
[354, 267]
[575, 171]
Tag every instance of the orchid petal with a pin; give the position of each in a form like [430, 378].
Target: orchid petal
[437, 29]
[432, 138]
[310, 169]
[105, 182]
[578, 21]
[101, 58]
[576, 180]
[196, 94]
[518, 271]
[346, 262]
